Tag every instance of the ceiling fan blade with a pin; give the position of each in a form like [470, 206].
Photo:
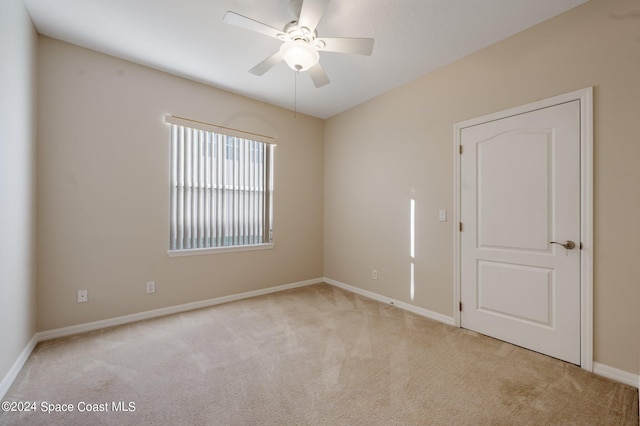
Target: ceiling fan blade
[358, 46]
[250, 24]
[311, 13]
[318, 75]
[267, 64]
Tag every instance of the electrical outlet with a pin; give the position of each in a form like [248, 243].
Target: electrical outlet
[83, 296]
[151, 287]
[374, 274]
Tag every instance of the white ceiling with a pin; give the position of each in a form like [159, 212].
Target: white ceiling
[189, 39]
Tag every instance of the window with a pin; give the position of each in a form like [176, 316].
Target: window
[221, 189]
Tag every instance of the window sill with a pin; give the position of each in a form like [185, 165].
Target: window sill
[214, 250]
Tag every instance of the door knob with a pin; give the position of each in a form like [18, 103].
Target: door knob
[569, 245]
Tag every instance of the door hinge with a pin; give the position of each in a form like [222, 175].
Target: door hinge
[460, 148]
[460, 306]
[460, 227]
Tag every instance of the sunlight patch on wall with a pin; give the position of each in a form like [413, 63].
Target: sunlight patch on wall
[412, 239]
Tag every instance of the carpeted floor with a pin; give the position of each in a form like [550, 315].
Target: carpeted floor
[316, 355]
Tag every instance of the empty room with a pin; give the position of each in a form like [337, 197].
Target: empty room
[319, 212]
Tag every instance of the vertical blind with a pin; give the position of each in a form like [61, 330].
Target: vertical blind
[221, 186]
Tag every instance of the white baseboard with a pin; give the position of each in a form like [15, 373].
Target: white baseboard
[7, 381]
[615, 374]
[384, 299]
[126, 319]
[41, 336]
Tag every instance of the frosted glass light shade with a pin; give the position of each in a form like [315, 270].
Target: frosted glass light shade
[299, 55]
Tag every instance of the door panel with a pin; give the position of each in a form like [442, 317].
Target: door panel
[520, 190]
[500, 182]
[519, 292]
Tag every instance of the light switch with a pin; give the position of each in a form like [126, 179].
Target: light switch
[443, 215]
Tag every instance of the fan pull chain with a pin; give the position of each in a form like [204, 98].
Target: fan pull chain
[295, 93]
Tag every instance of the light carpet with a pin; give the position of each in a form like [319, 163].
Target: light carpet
[316, 355]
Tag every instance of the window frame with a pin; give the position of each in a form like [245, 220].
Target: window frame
[266, 215]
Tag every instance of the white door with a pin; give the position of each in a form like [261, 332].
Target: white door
[520, 191]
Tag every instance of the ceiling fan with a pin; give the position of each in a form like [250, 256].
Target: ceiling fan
[300, 40]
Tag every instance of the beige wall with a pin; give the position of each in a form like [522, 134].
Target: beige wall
[399, 146]
[17, 181]
[103, 191]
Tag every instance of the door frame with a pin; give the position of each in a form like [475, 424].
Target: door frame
[585, 96]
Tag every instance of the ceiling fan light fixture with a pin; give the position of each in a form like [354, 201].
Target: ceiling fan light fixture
[299, 55]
